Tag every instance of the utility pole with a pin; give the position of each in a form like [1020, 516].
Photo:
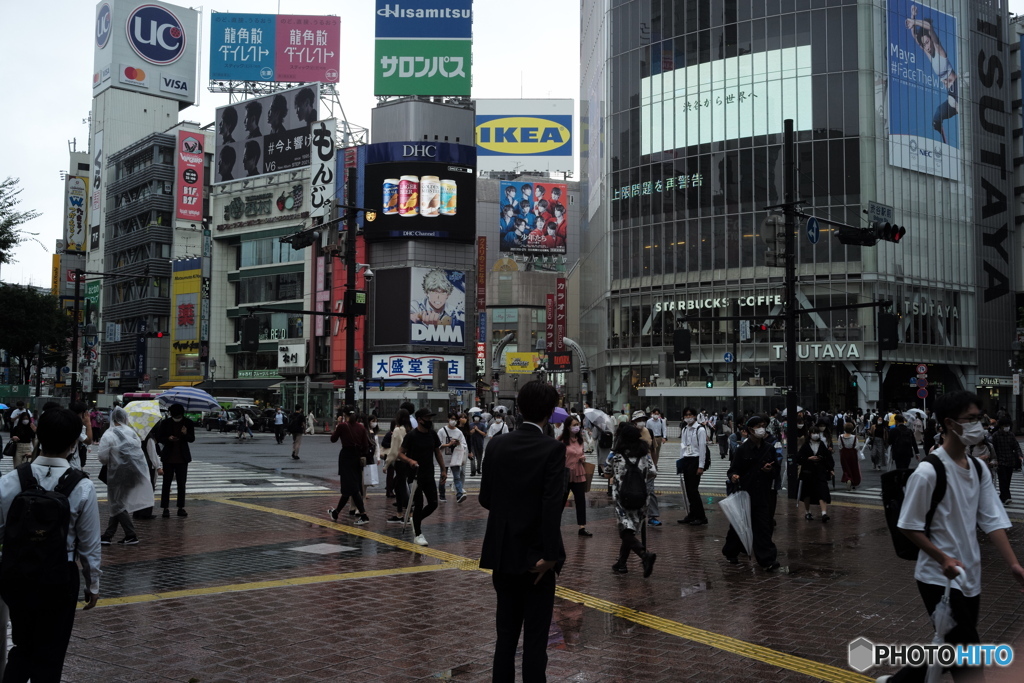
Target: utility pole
[735, 368]
[792, 380]
[350, 289]
[79, 275]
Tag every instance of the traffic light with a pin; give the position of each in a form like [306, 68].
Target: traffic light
[763, 327]
[773, 231]
[681, 345]
[888, 331]
[250, 334]
[710, 383]
[853, 381]
[888, 232]
[156, 335]
[857, 237]
[301, 240]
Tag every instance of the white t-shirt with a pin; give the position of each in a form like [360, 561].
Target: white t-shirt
[497, 428]
[454, 456]
[968, 503]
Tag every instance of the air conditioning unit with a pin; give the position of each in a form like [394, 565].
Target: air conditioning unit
[756, 381]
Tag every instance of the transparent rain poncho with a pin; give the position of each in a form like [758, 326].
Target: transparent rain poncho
[128, 485]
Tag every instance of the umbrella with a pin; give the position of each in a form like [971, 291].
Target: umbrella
[408, 508]
[191, 398]
[943, 620]
[558, 416]
[143, 416]
[799, 409]
[475, 409]
[3, 406]
[916, 412]
[600, 419]
[736, 507]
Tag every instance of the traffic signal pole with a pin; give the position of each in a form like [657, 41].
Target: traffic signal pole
[790, 211]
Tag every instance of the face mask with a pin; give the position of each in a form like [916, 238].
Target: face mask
[476, 419]
[575, 429]
[452, 423]
[689, 420]
[973, 434]
[800, 424]
[1006, 429]
[497, 419]
[427, 424]
[177, 419]
[760, 432]
[815, 437]
[373, 424]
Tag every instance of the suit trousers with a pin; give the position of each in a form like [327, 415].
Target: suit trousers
[965, 614]
[172, 471]
[522, 607]
[41, 625]
[690, 481]
[765, 551]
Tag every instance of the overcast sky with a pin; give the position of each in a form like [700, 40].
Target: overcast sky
[52, 84]
[48, 83]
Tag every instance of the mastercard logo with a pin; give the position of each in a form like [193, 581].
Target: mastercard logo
[134, 74]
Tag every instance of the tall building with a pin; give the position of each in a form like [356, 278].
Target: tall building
[899, 107]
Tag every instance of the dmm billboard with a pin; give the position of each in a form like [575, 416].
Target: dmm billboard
[274, 47]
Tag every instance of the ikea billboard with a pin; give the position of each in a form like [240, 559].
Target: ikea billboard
[525, 135]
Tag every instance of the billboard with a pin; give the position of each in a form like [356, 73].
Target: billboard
[524, 136]
[186, 281]
[522, 363]
[266, 134]
[97, 180]
[426, 50]
[405, 367]
[291, 48]
[146, 47]
[532, 217]
[323, 172]
[437, 310]
[419, 190]
[76, 211]
[922, 62]
[189, 176]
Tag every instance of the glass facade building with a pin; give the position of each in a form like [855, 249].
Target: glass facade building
[683, 107]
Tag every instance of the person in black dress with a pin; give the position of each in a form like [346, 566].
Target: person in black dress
[355, 449]
[817, 467]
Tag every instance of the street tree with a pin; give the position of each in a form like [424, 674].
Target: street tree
[11, 220]
[31, 317]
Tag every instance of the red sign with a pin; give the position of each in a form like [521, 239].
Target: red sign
[186, 315]
[188, 180]
[549, 327]
[560, 313]
[481, 351]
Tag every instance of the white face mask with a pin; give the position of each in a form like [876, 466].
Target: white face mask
[760, 432]
[973, 434]
[575, 429]
[689, 420]
[815, 437]
[373, 424]
[177, 419]
[1006, 428]
[800, 424]
[452, 423]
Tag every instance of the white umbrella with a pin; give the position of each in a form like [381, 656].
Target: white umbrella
[943, 620]
[600, 419]
[736, 507]
[191, 398]
[798, 409]
[475, 409]
[916, 412]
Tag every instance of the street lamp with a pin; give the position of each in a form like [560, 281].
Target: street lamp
[213, 369]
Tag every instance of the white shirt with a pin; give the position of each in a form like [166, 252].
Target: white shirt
[458, 452]
[497, 428]
[656, 426]
[84, 529]
[968, 503]
[279, 418]
[695, 441]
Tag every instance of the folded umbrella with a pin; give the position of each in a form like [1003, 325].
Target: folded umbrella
[942, 619]
[736, 507]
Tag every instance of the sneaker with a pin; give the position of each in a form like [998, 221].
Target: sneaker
[394, 519]
[648, 561]
[825, 518]
[461, 498]
[883, 679]
[333, 514]
[732, 559]
[420, 540]
[104, 541]
[294, 457]
[808, 516]
[362, 520]
[619, 569]
[182, 513]
[654, 521]
[584, 532]
[134, 540]
[167, 513]
[442, 500]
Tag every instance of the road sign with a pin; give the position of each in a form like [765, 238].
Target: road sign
[880, 212]
[922, 382]
[922, 369]
[922, 393]
[494, 387]
[729, 357]
[813, 230]
[913, 381]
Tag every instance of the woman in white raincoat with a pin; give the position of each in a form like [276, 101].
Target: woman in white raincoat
[128, 484]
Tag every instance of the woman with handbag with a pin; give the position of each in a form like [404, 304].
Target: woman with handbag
[576, 471]
[352, 458]
[22, 435]
[848, 457]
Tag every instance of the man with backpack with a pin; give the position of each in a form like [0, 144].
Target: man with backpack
[296, 427]
[904, 445]
[694, 459]
[48, 517]
[946, 498]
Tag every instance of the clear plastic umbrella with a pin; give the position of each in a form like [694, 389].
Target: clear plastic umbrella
[600, 419]
[736, 507]
[942, 619]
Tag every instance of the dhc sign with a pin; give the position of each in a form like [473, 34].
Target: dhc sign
[524, 135]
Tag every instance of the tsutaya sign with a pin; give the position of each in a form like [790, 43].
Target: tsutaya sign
[718, 302]
[822, 351]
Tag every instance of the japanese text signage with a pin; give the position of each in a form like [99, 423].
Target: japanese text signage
[671, 184]
[533, 218]
[323, 186]
[481, 288]
[274, 47]
[186, 283]
[549, 322]
[560, 313]
[424, 49]
[189, 177]
[402, 367]
[76, 206]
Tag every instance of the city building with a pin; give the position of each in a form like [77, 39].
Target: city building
[683, 108]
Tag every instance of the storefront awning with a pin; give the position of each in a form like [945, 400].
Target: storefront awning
[172, 385]
[221, 387]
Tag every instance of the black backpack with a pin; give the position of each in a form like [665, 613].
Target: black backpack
[385, 443]
[632, 492]
[894, 486]
[605, 440]
[36, 531]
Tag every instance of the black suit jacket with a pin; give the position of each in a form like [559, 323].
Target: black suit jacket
[175, 451]
[523, 487]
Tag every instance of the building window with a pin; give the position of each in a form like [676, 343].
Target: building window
[284, 287]
[265, 252]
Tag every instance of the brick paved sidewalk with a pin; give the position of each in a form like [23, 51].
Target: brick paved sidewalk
[268, 589]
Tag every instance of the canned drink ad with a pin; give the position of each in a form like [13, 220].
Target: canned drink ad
[390, 196]
[409, 196]
[430, 196]
[449, 197]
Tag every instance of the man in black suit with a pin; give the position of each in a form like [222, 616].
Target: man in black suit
[523, 487]
[174, 434]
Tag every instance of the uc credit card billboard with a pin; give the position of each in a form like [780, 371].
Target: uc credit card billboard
[922, 61]
[525, 135]
[274, 47]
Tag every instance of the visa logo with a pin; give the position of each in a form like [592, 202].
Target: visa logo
[523, 135]
[173, 85]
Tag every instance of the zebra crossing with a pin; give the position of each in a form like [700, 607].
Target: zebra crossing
[206, 477]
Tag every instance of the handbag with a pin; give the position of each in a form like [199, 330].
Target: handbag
[590, 469]
[11, 449]
[103, 474]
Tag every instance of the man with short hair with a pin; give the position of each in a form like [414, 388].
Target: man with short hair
[174, 434]
[420, 449]
[42, 617]
[693, 460]
[522, 488]
[754, 470]
[296, 427]
[279, 423]
[904, 445]
[949, 549]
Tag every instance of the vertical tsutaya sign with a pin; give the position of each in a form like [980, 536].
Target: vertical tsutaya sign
[274, 47]
[549, 322]
[560, 314]
[481, 289]
[188, 194]
[424, 49]
[97, 178]
[76, 204]
[186, 287]
[93, 288]
[323, 185]
[993, 192]
[924, 89]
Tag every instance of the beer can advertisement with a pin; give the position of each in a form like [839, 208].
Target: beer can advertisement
[421, 198]
[437, 311]
[533, 218]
